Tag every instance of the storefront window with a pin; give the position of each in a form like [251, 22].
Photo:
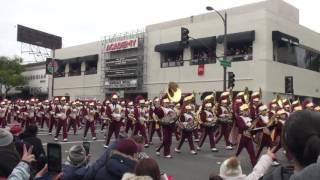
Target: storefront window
[75, 69]
[240, 51]
[171, 59]
[297, 55]
[202, 56]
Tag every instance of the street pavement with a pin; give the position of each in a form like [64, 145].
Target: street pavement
[183, 166]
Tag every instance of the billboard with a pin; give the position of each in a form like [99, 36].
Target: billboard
[38, 38]
[121, 45]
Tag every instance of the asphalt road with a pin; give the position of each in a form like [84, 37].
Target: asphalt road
[182, 166]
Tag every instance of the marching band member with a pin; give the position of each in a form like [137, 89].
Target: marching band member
[296, 106]
[53, 111]
[129, 117]
[208, 121]
[46, 114]
[265, 135]
[244, 123]
[308, 105]
[167, 117]
[30, 113]
[140, 119]
[73, 113]
[104, 118]
[3, 114]
[317, 108]
[99, 111]
[90, 117]
[187, 124]
[61, 119]
[154, 124]
[114, 113]
[39, 111]
[255, 105]
[225, 118]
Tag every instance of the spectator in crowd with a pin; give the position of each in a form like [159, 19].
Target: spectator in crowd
[9, 157]
[303, 147]
[22, 170]
[76, 160]
[29, 136]
[139, 140]
[114, 163]
[145, 169]
[231, 169]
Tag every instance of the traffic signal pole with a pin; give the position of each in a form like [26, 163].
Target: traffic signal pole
[225, 51]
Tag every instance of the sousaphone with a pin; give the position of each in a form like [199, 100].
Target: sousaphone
[174, 92]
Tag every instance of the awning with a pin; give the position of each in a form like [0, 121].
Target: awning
[203, 42]
[277, 35]
[169, 47]
[80, 59]
[239, 37]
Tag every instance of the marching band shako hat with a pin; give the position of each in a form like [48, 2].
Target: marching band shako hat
[296, 102]
[297, 108]
[281, 111]
[255, 96]
[130, 103]
[224, 97]
[2, 103]
[139, 100]
[188, 107]
[307, 104]
[263, 108]
[63, 98]
[317, 109]
[114, 96]
[156, 99]
[240, 94]
[165, 99]
[189, 98]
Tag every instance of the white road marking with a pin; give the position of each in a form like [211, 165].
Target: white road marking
[76, 142]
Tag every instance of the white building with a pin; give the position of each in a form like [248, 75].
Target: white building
[37, 82]
[265, 44]
[265, 34]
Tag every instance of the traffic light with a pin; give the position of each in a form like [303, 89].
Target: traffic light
[184, 36]
[288, 85]
[231, 79]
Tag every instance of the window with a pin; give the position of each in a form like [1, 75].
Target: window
[61, 70]
[171, 59]
[91, 67]
[202, 56]
[295, 54]
[240, 51]
[75, 69]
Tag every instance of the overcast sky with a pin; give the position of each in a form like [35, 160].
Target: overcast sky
[82, 21]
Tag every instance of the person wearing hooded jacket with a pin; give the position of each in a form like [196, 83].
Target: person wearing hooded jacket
[114, 163]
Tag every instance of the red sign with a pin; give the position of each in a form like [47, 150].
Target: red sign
[200, 69]
[121, 45]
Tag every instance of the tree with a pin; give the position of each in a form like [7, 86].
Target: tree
[10, 73]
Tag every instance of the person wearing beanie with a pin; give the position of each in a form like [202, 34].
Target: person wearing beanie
[74, 168]
[9, 156]
[114, 163]
[231, 169]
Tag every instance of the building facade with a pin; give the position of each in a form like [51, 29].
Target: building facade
[96, 70]
[265, 44]
[37, 82]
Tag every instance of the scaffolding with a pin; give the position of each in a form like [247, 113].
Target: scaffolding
[122, 54]
[37, 53]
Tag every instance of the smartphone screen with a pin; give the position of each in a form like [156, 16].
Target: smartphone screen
[86, 146]
[54, 158]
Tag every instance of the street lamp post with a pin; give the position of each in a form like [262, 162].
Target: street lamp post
[225, 44]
